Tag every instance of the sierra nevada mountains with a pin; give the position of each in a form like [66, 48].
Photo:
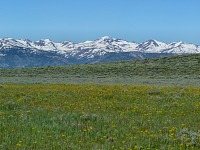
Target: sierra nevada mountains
[26, 53]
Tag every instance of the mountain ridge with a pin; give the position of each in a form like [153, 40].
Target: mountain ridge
[107, 43]
[45, 52]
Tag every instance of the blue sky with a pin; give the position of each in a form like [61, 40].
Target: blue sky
[80, 20]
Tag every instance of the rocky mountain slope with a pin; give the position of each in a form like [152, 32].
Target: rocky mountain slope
[26, 53]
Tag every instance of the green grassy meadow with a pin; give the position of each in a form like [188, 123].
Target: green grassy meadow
[99, 117]
[131, 105]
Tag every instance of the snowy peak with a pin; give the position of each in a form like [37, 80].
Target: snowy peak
[108, 40]
[108, 44]
[101, 46]
[7, 43]
[67, 43]
[152, 46]
[104, 38]
[181, 48]
[151, 43]
[45, 44]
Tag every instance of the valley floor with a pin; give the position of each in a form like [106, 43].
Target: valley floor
[162, 81]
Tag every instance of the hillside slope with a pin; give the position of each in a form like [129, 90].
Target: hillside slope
[182, 65]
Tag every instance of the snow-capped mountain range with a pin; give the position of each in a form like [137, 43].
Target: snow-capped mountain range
[91, 50]
[104, 44]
